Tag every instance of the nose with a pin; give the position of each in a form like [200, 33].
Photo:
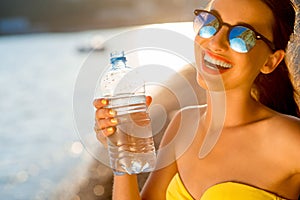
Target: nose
[219, 42]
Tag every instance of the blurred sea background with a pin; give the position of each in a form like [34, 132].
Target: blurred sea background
[43, 45]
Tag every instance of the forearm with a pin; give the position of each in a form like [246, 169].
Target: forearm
[126, 187]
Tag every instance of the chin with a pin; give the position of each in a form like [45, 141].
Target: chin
[210, 82]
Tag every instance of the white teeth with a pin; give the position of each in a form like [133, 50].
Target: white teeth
[217, 62]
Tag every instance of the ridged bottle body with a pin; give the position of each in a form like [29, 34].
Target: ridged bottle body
[131, 147]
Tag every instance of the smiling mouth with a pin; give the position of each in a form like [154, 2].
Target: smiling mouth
[215, 64]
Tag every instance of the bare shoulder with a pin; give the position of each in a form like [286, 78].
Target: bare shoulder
[288, 125]
[181, 129]
[285, 132]
[166, 166]
[187, 113]
[182, 120]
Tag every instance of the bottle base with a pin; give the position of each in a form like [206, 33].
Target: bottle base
[134, 164]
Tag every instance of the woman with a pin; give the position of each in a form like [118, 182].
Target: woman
[257, 153]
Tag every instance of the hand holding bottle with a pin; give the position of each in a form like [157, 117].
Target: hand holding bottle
[105, 121]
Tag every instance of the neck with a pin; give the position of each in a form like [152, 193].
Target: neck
[225, 110]
[231, 108]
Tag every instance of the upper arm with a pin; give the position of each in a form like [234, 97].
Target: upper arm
[294, 152]
[158, 181]
[174, 140]
[292, 143]
[286, 139]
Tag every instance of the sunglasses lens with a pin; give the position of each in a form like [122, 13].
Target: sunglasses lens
[207, 31]
[206, 24]
[241, 39]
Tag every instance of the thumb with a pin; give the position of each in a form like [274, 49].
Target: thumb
[148, 100]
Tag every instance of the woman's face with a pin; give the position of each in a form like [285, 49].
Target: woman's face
[242, 68]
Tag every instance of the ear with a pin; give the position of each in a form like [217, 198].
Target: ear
[272, 61]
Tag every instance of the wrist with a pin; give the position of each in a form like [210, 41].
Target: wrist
[126, 187]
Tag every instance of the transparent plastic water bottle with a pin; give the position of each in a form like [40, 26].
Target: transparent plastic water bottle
[131, 147]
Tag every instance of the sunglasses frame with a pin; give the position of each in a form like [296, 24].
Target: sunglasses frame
[258, 36]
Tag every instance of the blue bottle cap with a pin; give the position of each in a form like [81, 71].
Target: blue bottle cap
[117, 55]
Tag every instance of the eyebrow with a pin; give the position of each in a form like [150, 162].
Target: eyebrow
[238, 23]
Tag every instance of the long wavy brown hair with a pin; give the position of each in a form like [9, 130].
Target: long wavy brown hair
[276, 90]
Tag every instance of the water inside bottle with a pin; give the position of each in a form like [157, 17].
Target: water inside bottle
[132, 157]
[131, 148]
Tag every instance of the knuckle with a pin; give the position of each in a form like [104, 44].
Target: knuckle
[99, 113]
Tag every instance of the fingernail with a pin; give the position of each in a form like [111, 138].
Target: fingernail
[114, 121]
[110, 129]
[104, 101]
[112, 112]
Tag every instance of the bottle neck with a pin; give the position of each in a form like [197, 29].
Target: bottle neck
[118, 64]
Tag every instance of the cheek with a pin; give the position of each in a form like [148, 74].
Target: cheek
[246, 70]
[198, 60]
[206, 81]
[198, 42]
[198, 50]
[254, 61]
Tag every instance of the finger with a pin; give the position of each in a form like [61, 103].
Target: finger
[100, 103]
[102, 134]
[148, 100]
[105, 123]
[109, 131]
[104, 113]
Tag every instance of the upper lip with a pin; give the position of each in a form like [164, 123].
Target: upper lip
[218, 57]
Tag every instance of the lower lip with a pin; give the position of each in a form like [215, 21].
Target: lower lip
[211, 71]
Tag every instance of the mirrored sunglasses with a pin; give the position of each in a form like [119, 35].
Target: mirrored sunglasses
[242, 37]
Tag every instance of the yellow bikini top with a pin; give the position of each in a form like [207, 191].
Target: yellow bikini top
[225, 191]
